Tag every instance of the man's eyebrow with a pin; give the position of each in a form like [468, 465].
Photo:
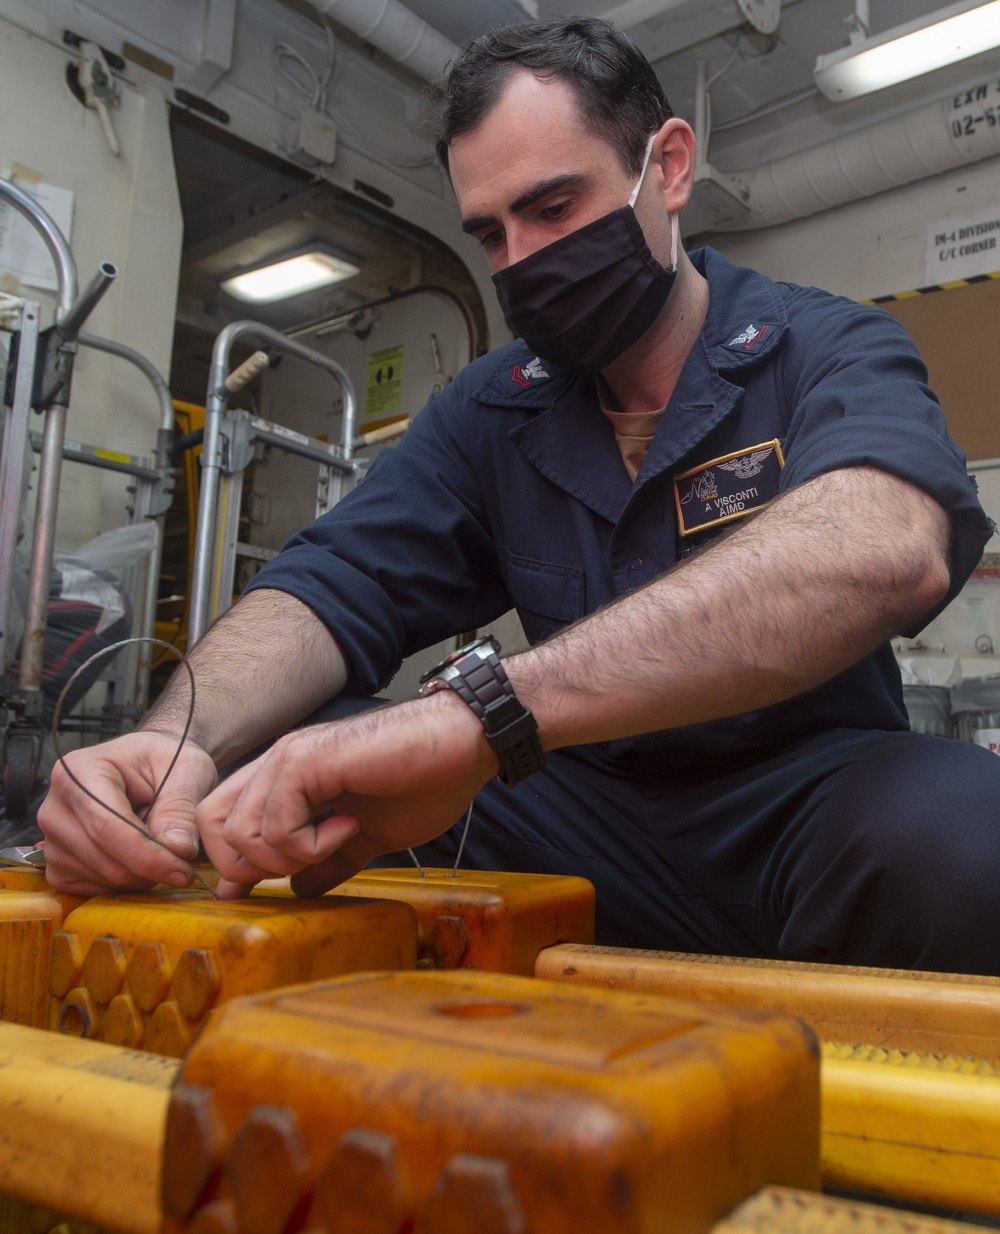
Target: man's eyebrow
[538, 191]
[479, 222]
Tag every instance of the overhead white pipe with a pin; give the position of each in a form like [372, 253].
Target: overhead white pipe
[886, 155]
[925, 142]
[394, 29]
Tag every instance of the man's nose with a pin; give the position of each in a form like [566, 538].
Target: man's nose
[519, 244]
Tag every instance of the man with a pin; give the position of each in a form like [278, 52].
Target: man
[728, 755]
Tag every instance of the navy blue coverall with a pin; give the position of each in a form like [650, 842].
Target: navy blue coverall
[818, 828]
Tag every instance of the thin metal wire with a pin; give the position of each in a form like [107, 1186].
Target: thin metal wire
[461, 847]
[458, 856]
[57, 714]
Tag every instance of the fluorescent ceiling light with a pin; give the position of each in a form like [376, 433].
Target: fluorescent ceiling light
[949, 35]
[289, 277]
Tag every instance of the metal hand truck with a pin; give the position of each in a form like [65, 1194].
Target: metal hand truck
[39, 376]
[228, 450]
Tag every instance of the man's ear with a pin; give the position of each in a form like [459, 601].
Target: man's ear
[673, 155]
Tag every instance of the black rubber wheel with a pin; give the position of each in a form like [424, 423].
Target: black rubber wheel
[19, 775]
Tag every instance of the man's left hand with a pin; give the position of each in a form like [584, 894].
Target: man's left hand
[377, 783]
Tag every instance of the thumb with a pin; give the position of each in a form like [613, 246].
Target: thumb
[172, 818]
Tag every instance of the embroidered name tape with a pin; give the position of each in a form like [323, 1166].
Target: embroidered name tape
[728, 488]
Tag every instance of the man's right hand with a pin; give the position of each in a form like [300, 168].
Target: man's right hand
[88, 851]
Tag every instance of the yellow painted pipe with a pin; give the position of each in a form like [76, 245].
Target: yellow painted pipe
[785, 1210]
[920, 1127]
[914, 1114]
[82, 1127]
[937, 1013]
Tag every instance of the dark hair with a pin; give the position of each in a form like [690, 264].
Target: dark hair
[619, 94]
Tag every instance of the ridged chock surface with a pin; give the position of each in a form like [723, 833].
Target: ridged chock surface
[468, 1101]
[919, 1127]
[495, 921]
[143, 971]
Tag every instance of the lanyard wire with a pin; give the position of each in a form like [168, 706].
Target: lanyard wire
[98, 656]
[458, 856]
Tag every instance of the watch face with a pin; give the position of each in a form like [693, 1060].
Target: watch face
[486, 641]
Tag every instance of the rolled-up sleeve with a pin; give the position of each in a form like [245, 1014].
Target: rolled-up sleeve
[861, 399]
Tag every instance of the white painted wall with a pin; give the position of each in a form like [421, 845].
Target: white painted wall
[126, 210]
[868, 248]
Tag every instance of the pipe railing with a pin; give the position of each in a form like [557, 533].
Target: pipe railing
[164, 437]
[54, 240]
[211, 457]
[72, 311]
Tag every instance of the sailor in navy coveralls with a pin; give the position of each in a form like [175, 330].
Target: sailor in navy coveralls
[711, 497]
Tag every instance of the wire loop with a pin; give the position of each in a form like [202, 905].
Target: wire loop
[105, 653]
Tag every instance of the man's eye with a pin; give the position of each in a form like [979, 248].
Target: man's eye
[556, 211]
[492, 240]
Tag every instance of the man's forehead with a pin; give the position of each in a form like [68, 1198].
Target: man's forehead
[535, 132]
[530, 114]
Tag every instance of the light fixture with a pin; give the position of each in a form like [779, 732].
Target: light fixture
[951, 34]
[289, 276]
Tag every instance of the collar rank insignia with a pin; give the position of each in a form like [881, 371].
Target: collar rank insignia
[750, 338]
[525, 374]
[727, 488]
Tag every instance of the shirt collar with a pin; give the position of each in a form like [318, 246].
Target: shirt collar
[746, 319]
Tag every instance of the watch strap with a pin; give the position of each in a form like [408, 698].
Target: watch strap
[481, 681]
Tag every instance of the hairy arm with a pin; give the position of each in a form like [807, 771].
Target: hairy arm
[264, 666]
[815, 582]
[260, 669]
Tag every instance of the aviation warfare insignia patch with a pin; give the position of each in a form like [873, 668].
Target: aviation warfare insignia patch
[727, 488]
[524, 374]
[750, 338]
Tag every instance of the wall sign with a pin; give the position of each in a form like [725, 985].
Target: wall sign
[384, 388]
[959, 248]
[23, 255]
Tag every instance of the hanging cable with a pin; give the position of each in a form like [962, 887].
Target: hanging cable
[768, 109]
[461, 847]
[314, 87]
[104, 653]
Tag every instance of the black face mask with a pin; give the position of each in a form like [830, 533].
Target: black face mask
[585, 298]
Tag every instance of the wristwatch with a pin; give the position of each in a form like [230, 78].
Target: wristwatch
[476, 675]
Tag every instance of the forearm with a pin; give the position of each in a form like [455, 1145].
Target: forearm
[263, 667]
[813, 584]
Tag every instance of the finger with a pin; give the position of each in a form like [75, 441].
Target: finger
[118, 854]
[313, 842]
[237, 867]
[172, 818]
[211, 815]
[104, 853]
[341, 865]
[227, 890]
[230, 823]
[64, 873]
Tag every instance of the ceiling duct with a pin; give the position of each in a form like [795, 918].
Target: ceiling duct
[925, 142]
[394, 29]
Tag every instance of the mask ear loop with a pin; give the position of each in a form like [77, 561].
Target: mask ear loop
[674, 222]
[642, 174]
